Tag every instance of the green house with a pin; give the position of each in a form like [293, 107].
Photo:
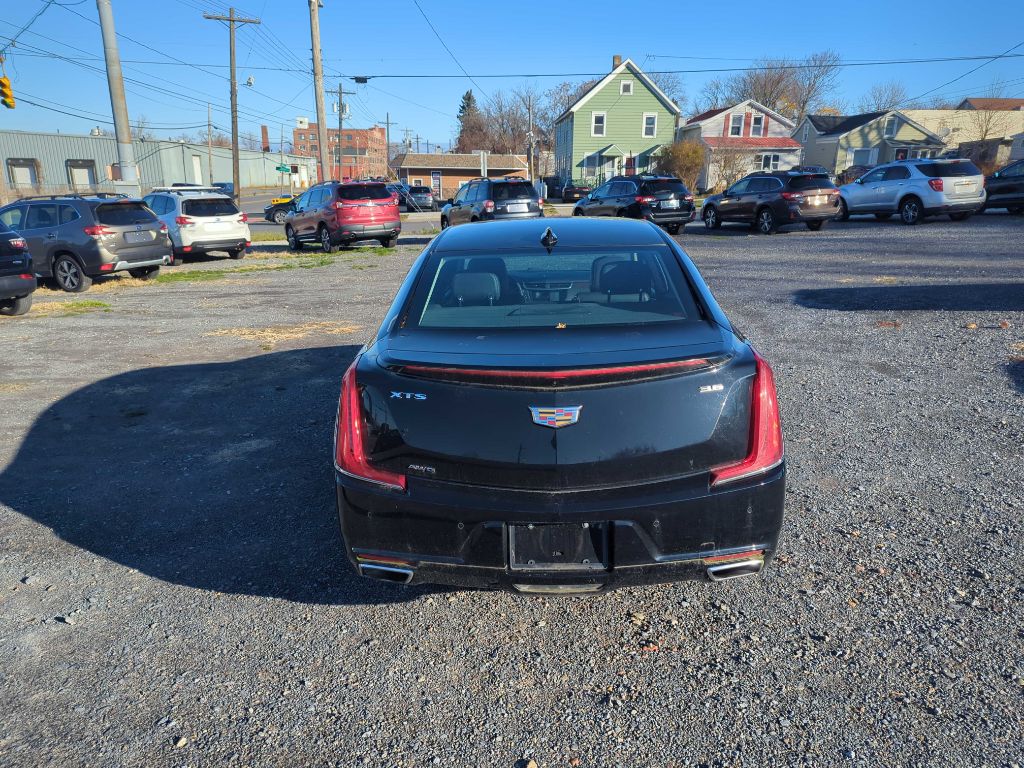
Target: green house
[616, 127]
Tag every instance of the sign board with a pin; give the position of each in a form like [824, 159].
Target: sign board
[284, 169]
[435, 182]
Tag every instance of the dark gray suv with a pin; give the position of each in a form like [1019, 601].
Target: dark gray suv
[487, 199]
[74, 238]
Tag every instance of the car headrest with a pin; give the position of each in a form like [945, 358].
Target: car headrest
[626, 277]
[476, 288]
[598, 266]
[487, 264]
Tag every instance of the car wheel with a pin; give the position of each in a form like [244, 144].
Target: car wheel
[959, 216]
[883, 216]
[279, 217]
[15, 307]
[844, 211]
[473, 220]
[578, 212]
[711, 219]
[237, 253]
[766, 221]
[68, 274]
[144, 273]
[389, 242]
[433, 207]
[177, 259]
[814, 226]
[673, 229]
[910, 210]
[325, 240]
[444, 223]
[1015, 210]
[293, 239]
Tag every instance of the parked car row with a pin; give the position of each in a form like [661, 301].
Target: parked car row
[663, 200]
[511, 197]
[337, 213]
[73, 239]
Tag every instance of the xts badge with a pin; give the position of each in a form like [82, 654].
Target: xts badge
[408, 396]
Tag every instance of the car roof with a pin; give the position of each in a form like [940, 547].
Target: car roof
[578, 231]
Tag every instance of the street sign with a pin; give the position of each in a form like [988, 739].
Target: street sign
[284, 169]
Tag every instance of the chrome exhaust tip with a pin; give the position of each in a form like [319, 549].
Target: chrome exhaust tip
[385, 573]
[736, 569]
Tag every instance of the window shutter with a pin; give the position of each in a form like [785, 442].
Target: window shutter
[728, 122]
[764, 125]
[747, 119]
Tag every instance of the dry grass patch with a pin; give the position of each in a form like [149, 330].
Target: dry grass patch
[885, 280]
[269, 336]
[67, 308]
[10, 387]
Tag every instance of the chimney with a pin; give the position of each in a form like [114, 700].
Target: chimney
[264, 138]
[616, 61]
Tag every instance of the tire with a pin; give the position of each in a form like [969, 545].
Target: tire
[279, 217]
[293, 241]
[389, 242]
[237, 253]
[177, 259]
[1015, 210]
[711, 218]
[474, 220]
[69, 275]
[325, 240]
[433, 207]
[144, 273]
[620, 214]
[15, 307]
[883, 216]
[815, 226]
[444, 223]
[765, 221]
[959, 216]
[673, 229]
[578, 212]
[844, 211]
[910, 210]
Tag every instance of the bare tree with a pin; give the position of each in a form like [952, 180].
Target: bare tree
[989, 123]
[671, 85]
[507, 123]
[815, 81]
[727, 165]
[140, 129]
[713, 95]
[884, 96]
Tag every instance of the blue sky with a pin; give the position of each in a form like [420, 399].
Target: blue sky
[390, 37]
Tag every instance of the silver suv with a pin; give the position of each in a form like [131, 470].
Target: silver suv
[74, 238]
[915, 189]
[200, 220]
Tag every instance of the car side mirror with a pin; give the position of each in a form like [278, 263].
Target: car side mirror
[451, 201]
[858, 181]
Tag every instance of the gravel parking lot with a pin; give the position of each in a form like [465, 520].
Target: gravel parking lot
[173, 591]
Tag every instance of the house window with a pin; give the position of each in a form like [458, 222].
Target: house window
[807, 129]
[890, 126]
[625, 87]
[757, 126]
[650, 125]
[768, 162]
[862, 157]
[23, 171]
[302, 137]
[736, 125]
[81, 173]
[597, 121]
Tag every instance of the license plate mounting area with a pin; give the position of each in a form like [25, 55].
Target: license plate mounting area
[558, 547]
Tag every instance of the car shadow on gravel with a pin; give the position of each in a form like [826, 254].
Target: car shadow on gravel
[214, 476]
[958, 297]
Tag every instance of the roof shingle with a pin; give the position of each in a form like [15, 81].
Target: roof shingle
[837, 124]
[751, 142]
[466, 162]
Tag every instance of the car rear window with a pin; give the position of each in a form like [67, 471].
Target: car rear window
[363, 192]
[124, 214]
[517, 190]
[210, 206]
[946, 170]
[813, 181]
[421, 190]
[571, 287]
[675, 187]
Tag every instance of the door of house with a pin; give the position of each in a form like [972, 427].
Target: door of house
[630, 166]
[197, 170]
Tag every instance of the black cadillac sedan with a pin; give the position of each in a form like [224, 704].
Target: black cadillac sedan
[558, 407]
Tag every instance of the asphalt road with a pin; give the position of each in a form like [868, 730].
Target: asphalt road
[173, 593]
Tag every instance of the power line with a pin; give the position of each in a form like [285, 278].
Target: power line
[30, 22]
[1004, 54]
[443, 43]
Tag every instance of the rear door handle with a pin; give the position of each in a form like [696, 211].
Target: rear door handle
[52, 236]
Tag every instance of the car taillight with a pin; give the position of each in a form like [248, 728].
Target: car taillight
[97, 230]
[645, 198]
[489, 206]
[163, 228]
[349, 450]
[183, 221]
[243, 218]
[792, 196]
[766, 450]
[19, 243]
[935, 184]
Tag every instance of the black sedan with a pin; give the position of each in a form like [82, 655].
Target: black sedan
[572, 192]
[558, 407]
[279, 209]
[1005, 188]
[17, 280]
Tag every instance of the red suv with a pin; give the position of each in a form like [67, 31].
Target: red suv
[336, 213]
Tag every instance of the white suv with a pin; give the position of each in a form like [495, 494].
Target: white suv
[915, 189]
[200, 220]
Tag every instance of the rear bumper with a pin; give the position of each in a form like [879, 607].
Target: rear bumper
[461, 536]
[504, 216]
[816, 213]
[230, 244]
[348, 233]
[121, 266]
[16, 286]
[970, 206]
[678, 216]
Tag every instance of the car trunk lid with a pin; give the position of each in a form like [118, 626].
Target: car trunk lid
[127, 228]
[214, 218]
[365, 204]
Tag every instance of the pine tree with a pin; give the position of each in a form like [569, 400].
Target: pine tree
[472, 125]
[468, 105]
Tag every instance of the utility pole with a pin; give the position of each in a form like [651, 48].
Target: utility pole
[232, 20]
[115, 82]
[209, 144]
[529, 156]
[387, 143]
[318, 85]
[408, 140]
[281, 148]
[341, 123]
[417, 143]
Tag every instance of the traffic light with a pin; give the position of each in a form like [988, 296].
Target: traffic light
[6, 94]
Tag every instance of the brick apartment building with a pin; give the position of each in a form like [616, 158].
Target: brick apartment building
[363, 151]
